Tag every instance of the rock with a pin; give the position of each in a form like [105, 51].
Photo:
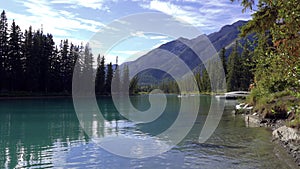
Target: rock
[252, 121]
[263, 121]
[286, 134]
[287, 137]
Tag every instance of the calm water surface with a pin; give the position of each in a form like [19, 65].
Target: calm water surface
[45, 133]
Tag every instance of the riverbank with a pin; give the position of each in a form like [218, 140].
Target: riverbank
[286, 137]
[27, 95]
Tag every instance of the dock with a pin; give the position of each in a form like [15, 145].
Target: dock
[233, 95]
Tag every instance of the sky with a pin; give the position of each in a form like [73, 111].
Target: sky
[80, 20]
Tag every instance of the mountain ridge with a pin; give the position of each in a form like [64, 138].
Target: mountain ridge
[179, 47]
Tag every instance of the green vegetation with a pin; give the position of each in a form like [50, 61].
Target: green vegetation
[269, 65]
[32, 65]
[237, 69]
[100, 75]
[276, 57]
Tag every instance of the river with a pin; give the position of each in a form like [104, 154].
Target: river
[46, 133]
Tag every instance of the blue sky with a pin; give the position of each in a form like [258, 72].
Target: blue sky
[79, 20]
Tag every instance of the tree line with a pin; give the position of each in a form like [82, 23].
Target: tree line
[276, 89]
[238, 67]
[31, 62]
[276, 25]
[273, 65]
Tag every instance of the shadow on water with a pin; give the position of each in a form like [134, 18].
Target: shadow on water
[207, 145]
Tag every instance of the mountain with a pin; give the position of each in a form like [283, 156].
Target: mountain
[181, 47]
[227, 35]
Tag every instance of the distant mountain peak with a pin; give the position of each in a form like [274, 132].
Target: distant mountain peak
[240, 22]
[180, 47]
[234, 25]
[182, 39]
[226, 35]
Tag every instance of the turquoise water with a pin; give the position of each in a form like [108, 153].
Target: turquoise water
[45, 133]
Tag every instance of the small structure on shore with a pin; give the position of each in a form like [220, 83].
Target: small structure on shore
[233, 95]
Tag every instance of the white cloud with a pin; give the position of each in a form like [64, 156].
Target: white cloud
[208, 15]
[141, 34]
[57, 17]
[158, 37]
[138, 34]
[214, 3]
[177, 11]
[60, 23]
[93, 4]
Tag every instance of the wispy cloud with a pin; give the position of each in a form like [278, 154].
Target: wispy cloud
[141, 34]
[93, 4]
[61, 23]
[173, 10]
[159, 37]
[138, 34]
[79, 20]
[208, 15]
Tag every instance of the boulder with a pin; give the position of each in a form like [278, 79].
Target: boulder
[286, 134]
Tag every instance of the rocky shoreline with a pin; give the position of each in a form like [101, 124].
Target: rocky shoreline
[290, 139]
[286, 137]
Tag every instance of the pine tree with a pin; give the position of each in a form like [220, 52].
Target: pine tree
[70, 64]
[50, 54]
[109, 77]
[14, 66]
[33, 63]
[80, 59]
[205, 82]
[133, 85]
[88, 60]
[44, 62]
[3, 50]
[100, 75]
[223, 59]
[87, 70]
[65, 65]
[117, 79]
[126, 80]
[233, 75]
[27, 50]
[54, 84]
[246, 64]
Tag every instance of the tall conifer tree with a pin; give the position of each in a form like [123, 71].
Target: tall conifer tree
[14, 66]
[3, 50]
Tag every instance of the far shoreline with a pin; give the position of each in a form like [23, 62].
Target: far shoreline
[43, 96]
[24, 96]
[21, 97]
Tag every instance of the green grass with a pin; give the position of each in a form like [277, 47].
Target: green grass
[276, 105]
